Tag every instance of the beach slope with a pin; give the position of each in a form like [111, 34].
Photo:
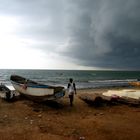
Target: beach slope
[27, 120]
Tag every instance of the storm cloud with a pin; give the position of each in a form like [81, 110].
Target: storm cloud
[105, 33]
[94, 33]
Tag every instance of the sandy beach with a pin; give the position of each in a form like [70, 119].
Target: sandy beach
[27, 120]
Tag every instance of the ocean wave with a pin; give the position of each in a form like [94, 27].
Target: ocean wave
[114, 80]
[83, 79]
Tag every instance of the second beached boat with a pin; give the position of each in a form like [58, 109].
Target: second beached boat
[36, 91]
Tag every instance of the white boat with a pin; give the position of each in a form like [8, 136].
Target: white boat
[36, 91]
[126, 95]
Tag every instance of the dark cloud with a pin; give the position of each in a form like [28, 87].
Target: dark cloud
[105, 33]
[98, 33]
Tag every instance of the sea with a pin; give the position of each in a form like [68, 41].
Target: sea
[83, 79]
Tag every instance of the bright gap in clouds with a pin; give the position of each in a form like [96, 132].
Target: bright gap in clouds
[17, 53]
[13, 52]
[20, 57]
[16, 57]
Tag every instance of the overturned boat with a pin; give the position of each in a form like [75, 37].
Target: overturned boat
[36, 91]
[124, 96]
[131, 96]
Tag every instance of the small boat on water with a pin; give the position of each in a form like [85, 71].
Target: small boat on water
[36, 91]
[135, 83]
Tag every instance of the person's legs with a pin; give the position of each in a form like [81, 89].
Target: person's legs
[71, 100]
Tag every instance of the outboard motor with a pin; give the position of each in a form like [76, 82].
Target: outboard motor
[8, 95]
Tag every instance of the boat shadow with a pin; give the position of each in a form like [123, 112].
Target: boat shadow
[44, 106]
[53, 104]
[37, 105]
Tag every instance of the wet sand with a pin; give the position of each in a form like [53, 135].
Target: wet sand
[27, 120]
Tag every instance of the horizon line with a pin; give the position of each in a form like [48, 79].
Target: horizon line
[70, 69]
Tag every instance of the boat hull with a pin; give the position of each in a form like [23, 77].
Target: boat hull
[135, 84]
[36, 91]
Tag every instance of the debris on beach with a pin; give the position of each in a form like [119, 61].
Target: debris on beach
[31, 121]
[39, 116]
[82, 138]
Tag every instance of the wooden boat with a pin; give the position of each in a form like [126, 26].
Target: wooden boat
[136, 83]
[36, 91]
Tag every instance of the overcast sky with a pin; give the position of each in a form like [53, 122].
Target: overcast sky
[70, 34]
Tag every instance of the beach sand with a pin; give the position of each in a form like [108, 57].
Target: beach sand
[27, 120]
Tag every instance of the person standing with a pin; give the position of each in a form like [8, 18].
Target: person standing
[71, 90]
